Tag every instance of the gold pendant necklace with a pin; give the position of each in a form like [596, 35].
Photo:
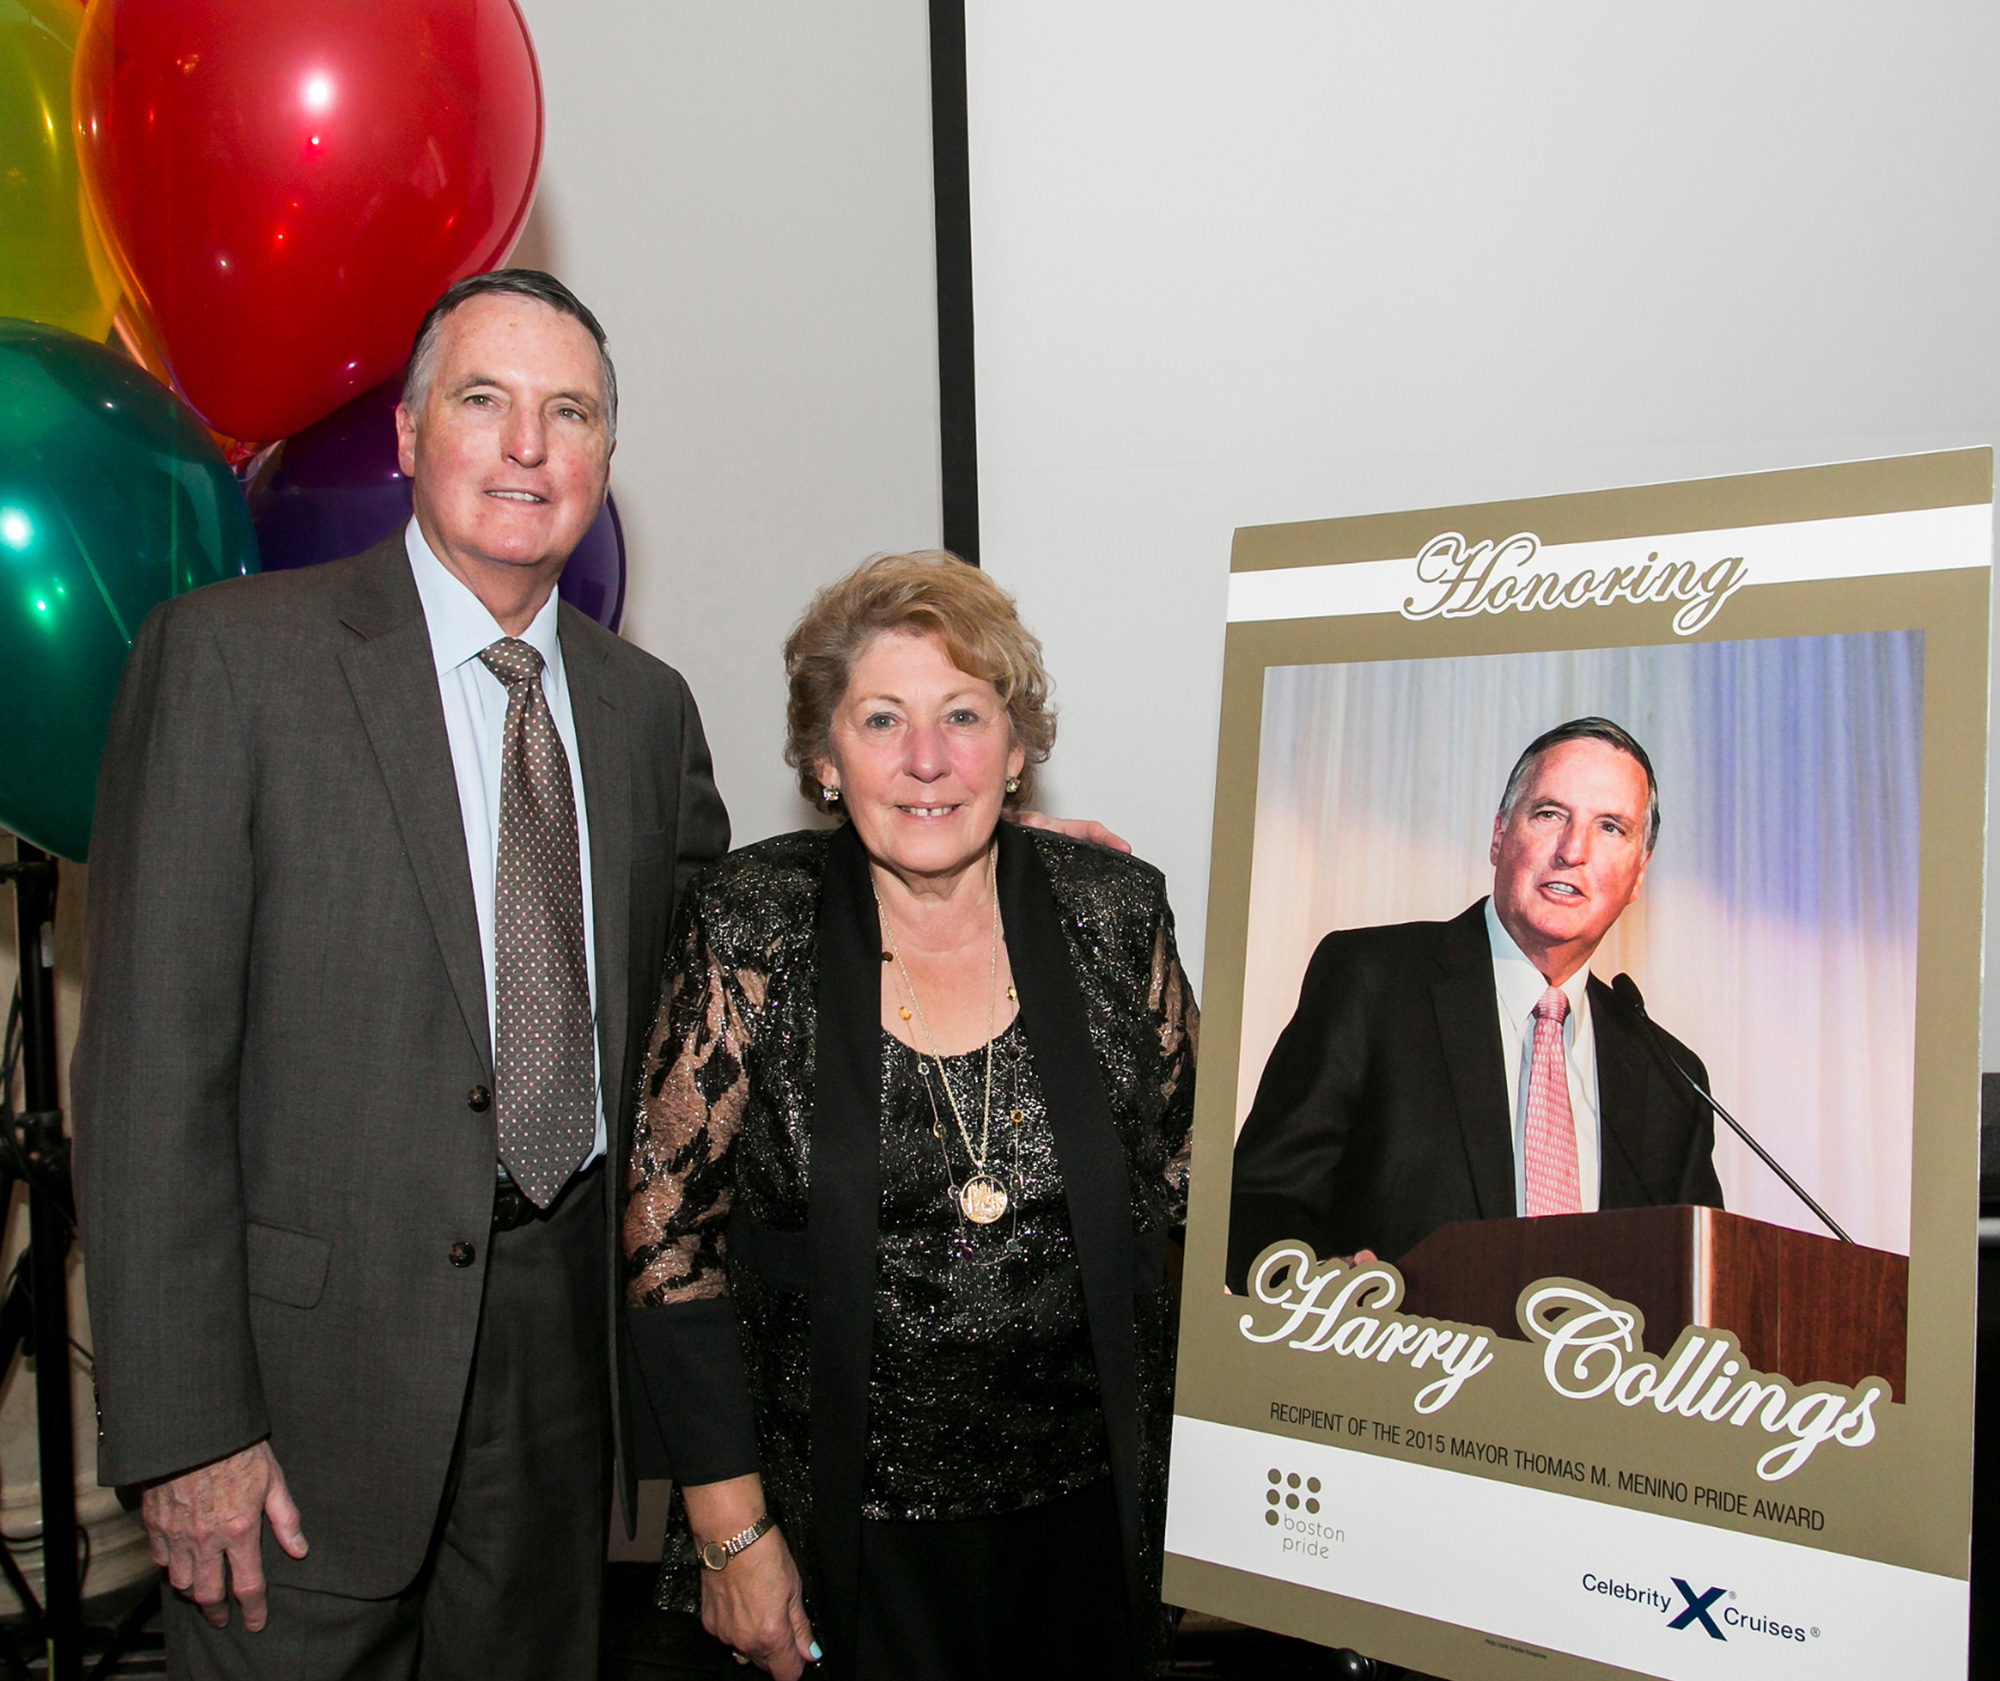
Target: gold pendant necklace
[983, 1198]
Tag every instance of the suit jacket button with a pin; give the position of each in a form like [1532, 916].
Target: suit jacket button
[461, 1254]
[479, 1100]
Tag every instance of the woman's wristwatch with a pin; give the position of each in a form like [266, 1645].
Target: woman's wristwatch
[715, 1554]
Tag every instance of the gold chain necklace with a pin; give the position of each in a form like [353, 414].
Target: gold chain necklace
[982, 1198]
[944, 1147]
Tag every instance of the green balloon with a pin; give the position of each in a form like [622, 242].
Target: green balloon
[112, 500]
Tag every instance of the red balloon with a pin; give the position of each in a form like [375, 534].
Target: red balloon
[286, 187]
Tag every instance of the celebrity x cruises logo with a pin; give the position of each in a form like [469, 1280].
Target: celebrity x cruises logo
[1696, 1609]
[1714, 1611]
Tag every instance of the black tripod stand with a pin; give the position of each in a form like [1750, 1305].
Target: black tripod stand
[35, 1309]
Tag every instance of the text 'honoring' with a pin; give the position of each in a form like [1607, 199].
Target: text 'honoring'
[1459, 579]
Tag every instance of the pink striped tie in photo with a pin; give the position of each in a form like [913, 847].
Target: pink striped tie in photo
[1550, 1139]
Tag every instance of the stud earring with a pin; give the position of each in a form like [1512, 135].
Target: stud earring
[829, 796]
[1013, 785]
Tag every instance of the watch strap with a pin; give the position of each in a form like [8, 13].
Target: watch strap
[716, 1554]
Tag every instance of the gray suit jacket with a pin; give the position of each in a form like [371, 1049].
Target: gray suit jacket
[284, 1012]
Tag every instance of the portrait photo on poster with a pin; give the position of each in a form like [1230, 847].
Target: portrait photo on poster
[1774, 933]
[1589, 961]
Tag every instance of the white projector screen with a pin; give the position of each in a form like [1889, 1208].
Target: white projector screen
[1237, 263]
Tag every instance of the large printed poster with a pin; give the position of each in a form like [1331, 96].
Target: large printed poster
[1548, 834]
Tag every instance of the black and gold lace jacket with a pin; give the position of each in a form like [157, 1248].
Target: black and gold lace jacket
[769, 1169]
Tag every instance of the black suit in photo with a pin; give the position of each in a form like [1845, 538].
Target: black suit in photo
[1382, 1113]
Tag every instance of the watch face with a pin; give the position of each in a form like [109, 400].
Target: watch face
[714, 1555]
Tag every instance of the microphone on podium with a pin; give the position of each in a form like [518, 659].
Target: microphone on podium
[1626, 991]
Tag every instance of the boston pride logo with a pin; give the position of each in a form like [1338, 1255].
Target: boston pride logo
[1291, 1502]
[1712, 1610]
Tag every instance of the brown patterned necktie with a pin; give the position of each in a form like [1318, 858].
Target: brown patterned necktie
[544, 1074]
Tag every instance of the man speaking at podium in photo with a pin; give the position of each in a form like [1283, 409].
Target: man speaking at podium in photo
[1475, 1069]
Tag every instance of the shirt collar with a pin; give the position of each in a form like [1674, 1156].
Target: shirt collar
[1520, 984]
[460, 626]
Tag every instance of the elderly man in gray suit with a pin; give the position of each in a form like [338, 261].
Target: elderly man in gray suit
[384, 861]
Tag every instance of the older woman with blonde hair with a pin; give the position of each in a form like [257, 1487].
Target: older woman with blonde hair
[911, 1145]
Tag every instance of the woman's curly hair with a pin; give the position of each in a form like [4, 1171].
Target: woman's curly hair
[928, 593]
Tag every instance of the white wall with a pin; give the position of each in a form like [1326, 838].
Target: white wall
[1307, 258]
[1237, 264]
[742, 192]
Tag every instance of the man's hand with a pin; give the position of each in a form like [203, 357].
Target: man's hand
[1075, 828]
[199, 1519]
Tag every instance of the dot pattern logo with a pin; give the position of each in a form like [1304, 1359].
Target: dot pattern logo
[1289, 1492]
[543, 1075]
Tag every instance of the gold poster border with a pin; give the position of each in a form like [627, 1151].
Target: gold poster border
[1913, 1485]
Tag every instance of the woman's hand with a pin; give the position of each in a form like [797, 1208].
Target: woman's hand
[754, 1604]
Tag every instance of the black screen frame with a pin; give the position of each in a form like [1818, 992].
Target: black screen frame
[951, 180]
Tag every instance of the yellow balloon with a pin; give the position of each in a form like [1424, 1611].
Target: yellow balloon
[53, 265]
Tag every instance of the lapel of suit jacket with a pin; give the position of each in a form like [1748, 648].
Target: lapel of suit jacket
[393, 678]
[606, 775]
[1622, 1075]
[1468, 1019]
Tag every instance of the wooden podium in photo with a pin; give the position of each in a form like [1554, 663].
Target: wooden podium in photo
[1806, 1308]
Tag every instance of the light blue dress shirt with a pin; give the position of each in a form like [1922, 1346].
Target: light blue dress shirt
[475, 711]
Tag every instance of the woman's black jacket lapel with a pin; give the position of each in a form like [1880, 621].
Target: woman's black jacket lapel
[1096, 1179]
[845, 1198]
[841, 1232]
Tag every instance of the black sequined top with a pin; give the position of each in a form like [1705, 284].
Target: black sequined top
[984, 1392]
[722, 1150]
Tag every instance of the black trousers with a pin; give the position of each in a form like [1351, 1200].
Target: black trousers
[1039, 1592]
[512, 1584]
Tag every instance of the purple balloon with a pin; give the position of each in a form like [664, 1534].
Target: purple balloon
[336, 490]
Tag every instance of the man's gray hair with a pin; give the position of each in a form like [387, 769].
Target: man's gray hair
[513, 283]
[1583, 729]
